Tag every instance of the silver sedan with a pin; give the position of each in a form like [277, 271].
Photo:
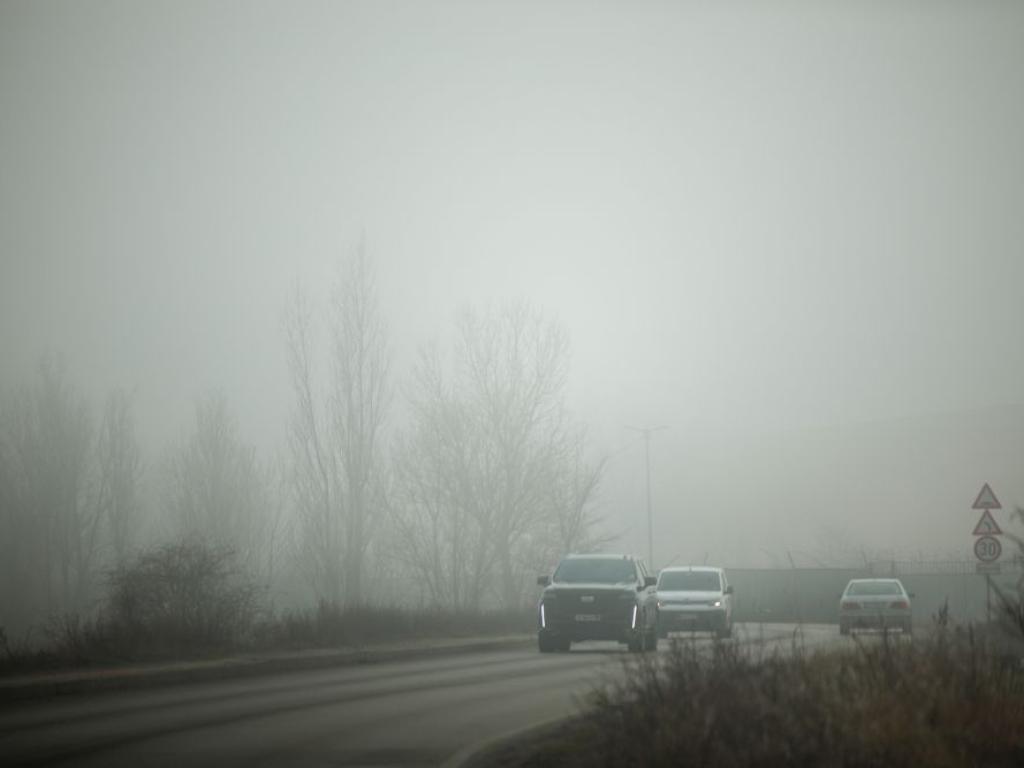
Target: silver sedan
[875, 604]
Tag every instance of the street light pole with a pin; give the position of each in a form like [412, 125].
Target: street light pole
[646, 432]
[650, 515]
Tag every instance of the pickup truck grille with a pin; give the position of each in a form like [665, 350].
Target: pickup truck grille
[567, 605]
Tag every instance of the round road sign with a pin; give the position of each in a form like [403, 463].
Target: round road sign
[987, 549]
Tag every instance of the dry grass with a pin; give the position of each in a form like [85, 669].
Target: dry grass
[188, 600]
[954, 700]
[72, 643]
[330, 625]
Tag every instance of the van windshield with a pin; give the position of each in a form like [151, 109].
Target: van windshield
[595, 571]
[690, 581]
[874, 588]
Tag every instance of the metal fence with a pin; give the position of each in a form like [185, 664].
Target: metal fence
[812, 594]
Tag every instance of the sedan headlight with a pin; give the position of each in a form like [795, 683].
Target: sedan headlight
[716, 603]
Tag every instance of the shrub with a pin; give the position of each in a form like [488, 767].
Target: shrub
[332, 625]
[184, 597]
[954, 702]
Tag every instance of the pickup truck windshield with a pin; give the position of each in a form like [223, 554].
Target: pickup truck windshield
[595, 571]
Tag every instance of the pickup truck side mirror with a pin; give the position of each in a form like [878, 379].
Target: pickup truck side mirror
[650, 581]
[543, 581]
[728, 590]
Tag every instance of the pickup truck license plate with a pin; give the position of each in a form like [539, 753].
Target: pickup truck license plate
[587, 617]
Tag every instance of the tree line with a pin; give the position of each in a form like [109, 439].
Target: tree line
[484, 481]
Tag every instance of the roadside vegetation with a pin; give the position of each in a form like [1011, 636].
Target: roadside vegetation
[190, 599]
[357, 527]
[953, 699]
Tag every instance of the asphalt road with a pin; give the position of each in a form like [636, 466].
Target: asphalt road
[406, 713]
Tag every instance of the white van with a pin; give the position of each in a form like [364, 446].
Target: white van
[694, 598]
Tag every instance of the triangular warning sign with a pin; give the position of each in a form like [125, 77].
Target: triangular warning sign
[987, 525]
[986, 499]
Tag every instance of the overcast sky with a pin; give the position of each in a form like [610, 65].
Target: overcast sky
[791, 232]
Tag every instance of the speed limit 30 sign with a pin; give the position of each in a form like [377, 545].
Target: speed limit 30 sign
[987, 549]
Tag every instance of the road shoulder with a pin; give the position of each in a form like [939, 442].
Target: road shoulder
[15, 690]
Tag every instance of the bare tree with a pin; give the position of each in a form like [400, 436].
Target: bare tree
[360, 400]
[50, 515]
[314, 477]
[516, 368]
[572, 502]
[337, 470]
[493, 462]
[23, 532]
[441, 530]
[120, 472]
[216, 488]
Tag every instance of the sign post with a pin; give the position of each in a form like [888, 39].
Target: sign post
[986, 547]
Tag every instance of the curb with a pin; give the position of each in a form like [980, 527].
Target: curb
[14, 691]
[479, 755]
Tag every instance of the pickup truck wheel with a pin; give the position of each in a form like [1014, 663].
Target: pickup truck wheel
[651, 640]
[545, 644]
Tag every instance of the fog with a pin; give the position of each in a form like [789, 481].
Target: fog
[788, 233]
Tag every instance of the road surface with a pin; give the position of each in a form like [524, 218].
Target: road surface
[405, 713]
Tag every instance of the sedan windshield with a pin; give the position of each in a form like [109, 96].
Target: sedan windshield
[874, 588]
[595, 571]
[690, 581]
